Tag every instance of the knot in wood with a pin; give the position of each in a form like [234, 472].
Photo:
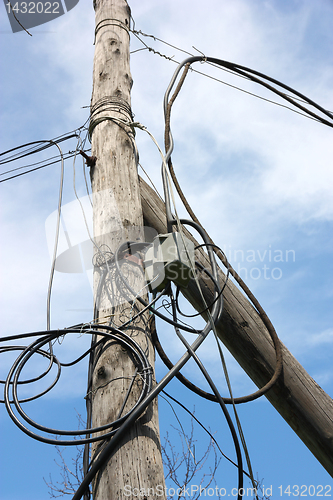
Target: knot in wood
[101, 372]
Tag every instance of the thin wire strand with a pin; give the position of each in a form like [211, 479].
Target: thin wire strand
[150, 49]
[203, 427]
[56, 240]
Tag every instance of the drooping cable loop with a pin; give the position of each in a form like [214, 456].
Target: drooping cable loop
[113, 279]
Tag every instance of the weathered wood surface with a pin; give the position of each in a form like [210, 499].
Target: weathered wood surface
[117, 212]
[297, 397]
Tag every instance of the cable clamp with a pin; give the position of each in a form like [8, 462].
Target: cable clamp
[148, 370]
[134, 125]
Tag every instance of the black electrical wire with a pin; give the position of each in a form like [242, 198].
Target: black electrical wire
[86, 452]
[66, 157]
[167, 162]
[214, 310]
[106, 266]
[106, 453]
[208, 307]
[14, 374]
[204, 428]
[216, 285]
[197, 390]
[36, 147]
[136, 33]
[43, 353]
[218, 397]
[180, 376]
[120, 426]
[137, 246]
[122, 248]
[109, 449]
[253, 75]
[169, 145]
[36, 163]
[13, 380]
[216, 247]
[45, 145]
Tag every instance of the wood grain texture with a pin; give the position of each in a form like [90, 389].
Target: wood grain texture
[297, 397]
[117, 214]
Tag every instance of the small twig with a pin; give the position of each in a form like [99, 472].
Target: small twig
[11, 7]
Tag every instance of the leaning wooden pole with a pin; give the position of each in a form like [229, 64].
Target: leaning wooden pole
[296, 396]
[136, 466]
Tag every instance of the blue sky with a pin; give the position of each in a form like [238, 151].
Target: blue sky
[258, 176]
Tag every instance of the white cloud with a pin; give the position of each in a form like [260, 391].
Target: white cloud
[322, 338]
[250, 170]
[255, 174]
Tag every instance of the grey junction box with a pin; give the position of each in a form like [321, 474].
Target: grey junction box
[169, 258]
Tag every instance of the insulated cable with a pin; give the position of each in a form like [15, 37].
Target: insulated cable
[219, 399]
[150, 49]
[13, 379]
[106, 453]
[113, 432]
[169, 144]
[56, 239]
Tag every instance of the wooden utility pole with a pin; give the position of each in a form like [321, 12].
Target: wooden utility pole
[117, 216]
[118, 204]
[296, 396]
